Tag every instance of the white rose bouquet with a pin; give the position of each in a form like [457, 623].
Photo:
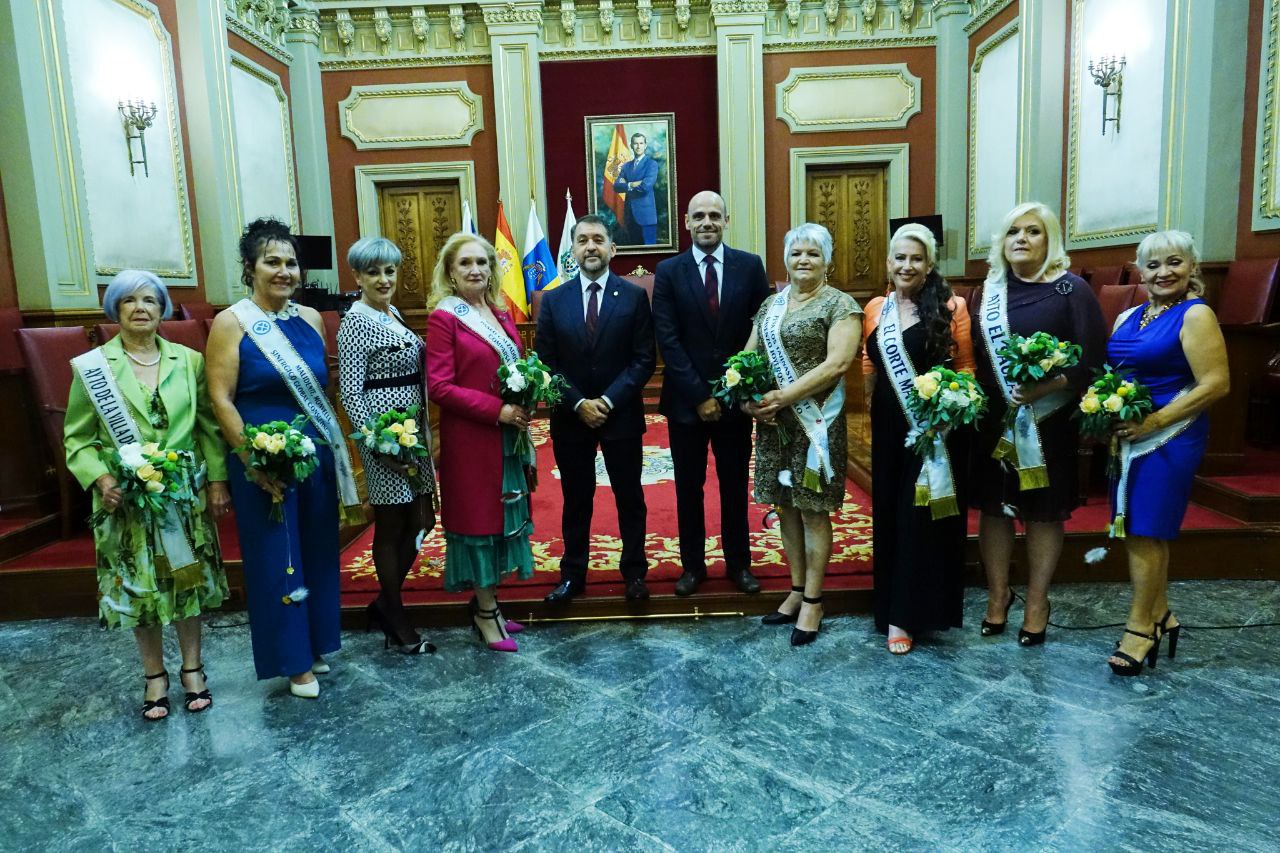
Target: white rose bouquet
[527, 382]
[283, 452]
[943, 399]
[149, 477]
[1111, 400]
[396, 434]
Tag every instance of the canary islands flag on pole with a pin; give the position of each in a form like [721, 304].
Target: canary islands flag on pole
[509, 270]
[568, 264]
[540, 270]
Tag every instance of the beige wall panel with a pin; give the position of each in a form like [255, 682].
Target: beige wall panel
[264, 143]
[993, 137]
[850, 97]
[412, 116]
[118, 50]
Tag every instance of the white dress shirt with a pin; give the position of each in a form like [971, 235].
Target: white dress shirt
[603, 281]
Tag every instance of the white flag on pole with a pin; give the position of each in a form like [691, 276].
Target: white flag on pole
[568, 265]
[468, 224]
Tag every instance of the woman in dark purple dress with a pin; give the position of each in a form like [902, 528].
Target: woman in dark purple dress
[1029, 290]
[1173, 345]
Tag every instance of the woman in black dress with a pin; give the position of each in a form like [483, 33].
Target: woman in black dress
[919, 561]
[1029, 290]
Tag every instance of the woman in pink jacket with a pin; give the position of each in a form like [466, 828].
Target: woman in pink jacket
[484, 483]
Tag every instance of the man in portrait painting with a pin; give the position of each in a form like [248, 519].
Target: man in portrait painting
[637, 178]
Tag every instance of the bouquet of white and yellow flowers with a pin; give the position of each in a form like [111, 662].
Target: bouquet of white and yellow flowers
[281, 451]
[1037, 357]
[747, 377]
[943, 399]
[149, 478]
[526, 382]
[1109, 401]
[395, 434]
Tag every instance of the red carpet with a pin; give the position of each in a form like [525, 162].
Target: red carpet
[1263, 479]
[850, 562]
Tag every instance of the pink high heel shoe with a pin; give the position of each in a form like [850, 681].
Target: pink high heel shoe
[512, 626]
[506, 644]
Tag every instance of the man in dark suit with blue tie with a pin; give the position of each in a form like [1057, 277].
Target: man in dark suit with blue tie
[637, 178]
[704, 303]
[597, 331]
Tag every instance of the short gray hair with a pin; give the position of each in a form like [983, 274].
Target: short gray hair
[808, 232]
[372, 251]
[129, 282]
[1176, 242]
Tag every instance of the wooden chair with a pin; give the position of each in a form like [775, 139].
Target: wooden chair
[48, 354]
[1248, 293]
[1115, 299]
[1105, 277]
[189, 333]
[195, 311]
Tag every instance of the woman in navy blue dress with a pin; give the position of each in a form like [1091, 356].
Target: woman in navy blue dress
[289, 638]
[1173, 345]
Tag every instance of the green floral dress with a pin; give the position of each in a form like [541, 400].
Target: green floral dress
[137, 587]
[804, 335]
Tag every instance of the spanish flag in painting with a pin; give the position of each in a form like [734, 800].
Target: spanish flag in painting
[619, 153]
[508, 271]
[540, 269]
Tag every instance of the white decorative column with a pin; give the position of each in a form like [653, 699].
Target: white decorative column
[311, 152]
[1204, 79]
[740, 76]
[517, 100]
[1042, 32]
[952, 99]
[44, 192]
[202, 36]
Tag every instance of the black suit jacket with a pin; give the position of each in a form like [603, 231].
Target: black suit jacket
[617, 365]
[694, 346]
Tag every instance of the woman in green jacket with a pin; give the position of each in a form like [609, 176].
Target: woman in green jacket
[134, 391]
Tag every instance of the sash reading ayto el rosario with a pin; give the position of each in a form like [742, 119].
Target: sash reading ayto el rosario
[813, 419]
[1132, 450]
[935, 485]
[496, 338]
[1020, 444]
[104, 393]
[304, 386]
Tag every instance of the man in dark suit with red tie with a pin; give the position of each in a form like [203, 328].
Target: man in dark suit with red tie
[704, 302]
[597, 331]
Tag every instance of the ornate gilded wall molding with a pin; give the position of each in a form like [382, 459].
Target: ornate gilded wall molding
[440, 32]
[262, 23]
[848, 97]
[1266, 181]
[418, 115]
[978, 244]
[251, 136]
[983, 11]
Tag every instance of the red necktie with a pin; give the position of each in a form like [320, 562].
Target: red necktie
[712, 284]
[593, 310]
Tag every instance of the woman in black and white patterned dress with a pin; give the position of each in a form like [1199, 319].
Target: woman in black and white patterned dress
[380, 368]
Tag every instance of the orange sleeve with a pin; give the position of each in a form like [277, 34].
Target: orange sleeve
[961, 334]
[870, 318]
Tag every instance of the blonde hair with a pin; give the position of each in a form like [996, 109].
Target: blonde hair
[1055, 258]
[922, 235]
[1175, 242]
[442, 285]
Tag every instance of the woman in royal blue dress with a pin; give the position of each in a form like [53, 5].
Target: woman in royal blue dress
[266, 362]
[1173, 345]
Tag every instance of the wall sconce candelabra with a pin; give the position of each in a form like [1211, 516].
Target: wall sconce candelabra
[1108, 73]
[137, 116]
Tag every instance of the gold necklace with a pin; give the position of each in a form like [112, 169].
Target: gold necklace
[1148, 315]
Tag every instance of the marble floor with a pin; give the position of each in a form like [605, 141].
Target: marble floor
[711, 735]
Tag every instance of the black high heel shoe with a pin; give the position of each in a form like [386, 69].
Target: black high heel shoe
[991, 629]
[392, 640]
[1163, 630]
[799, 636]
[151, 704]
[191, 696]
[780, 618]
[1035, 638]
[1132, 665]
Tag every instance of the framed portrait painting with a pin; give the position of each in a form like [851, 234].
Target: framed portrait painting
[631, 173]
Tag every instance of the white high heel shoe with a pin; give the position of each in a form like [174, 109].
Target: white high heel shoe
[321, 667]
[310, 690]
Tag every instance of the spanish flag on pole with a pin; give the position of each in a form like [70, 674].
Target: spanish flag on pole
[619, 153]
[510, 281]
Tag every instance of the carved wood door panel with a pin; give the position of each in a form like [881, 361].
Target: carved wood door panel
[850, 202]
[418, 218]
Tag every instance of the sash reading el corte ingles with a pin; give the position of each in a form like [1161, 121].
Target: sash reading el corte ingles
[935, 485]
[1020, 444]
[104, 393]
[814, 420]
[304, 386]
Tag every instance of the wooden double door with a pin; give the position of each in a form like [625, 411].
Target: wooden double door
[850, 202]
[418, 218]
